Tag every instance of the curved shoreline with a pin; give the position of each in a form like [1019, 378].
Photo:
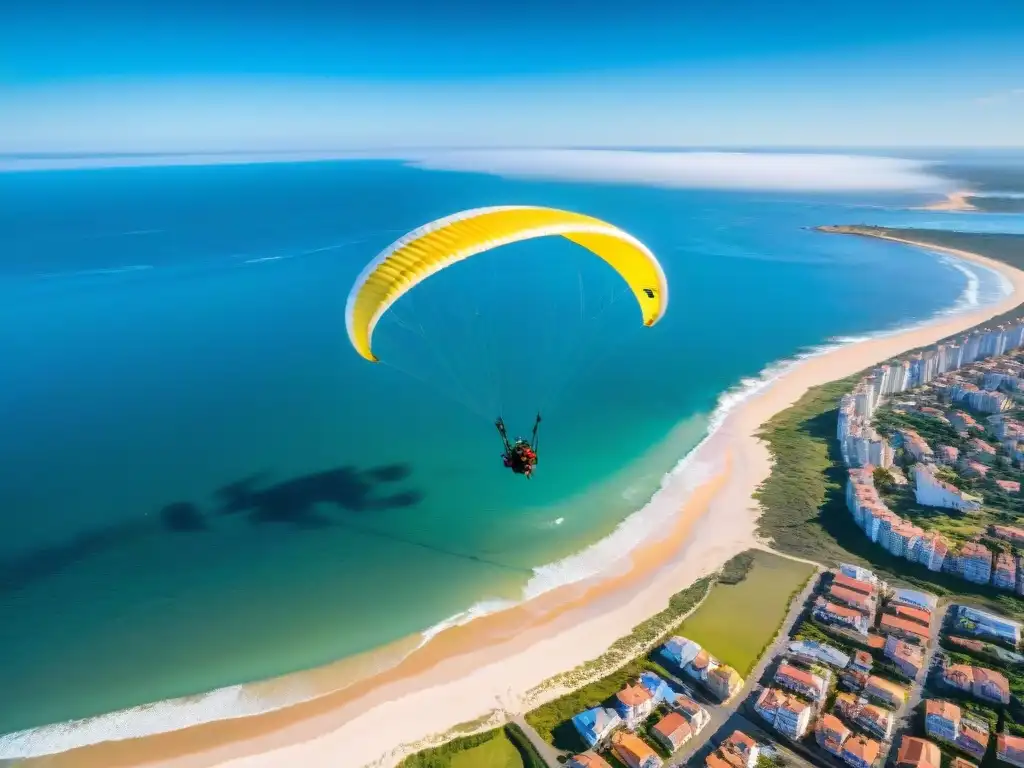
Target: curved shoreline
[511, 652]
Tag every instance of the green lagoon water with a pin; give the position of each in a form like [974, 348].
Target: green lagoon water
[204, 485]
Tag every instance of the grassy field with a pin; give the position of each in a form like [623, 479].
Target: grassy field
[757, 604]
[505, 747]
[499, 752]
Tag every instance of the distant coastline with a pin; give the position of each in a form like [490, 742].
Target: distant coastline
[509, 653]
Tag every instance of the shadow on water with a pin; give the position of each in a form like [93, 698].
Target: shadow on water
[300, 502]
[22, 570]
[294, 501]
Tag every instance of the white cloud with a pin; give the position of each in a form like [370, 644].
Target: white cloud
[715, 170]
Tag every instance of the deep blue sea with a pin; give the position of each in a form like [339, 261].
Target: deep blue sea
[204, 485]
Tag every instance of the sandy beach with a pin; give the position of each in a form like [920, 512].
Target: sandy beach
[490, 665]
[955, 201]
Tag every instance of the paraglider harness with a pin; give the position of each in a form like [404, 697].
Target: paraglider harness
[520, 456]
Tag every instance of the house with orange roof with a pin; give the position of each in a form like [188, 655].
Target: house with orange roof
[907, 657]
[910, 613]
[959, 762]
[694, 713]
[724, 681]
[860, 586]
[830, 733]
[944, 721]
[918, 753]
[848, 597]
[1010, 749]
[1007, 533]
[1004, 576]
[634, 752]
[672, 731]
[860, 752]
[587, 760]
[634, 704]
[1010, 486]
[888, 693]
[833, 613]
[973, 468]
[738, 751]
[875, 720]
[801, 681]
[902, 628]
[982, 683]
[975, 562]
[785, 712]
[862, 662]
[982, 449]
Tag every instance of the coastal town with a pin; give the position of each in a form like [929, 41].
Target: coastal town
[862, 671]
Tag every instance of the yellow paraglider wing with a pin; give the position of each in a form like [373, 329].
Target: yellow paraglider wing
[416, 256]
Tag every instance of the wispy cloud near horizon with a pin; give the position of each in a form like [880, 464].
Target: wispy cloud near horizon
[707, 170]
[678, 169]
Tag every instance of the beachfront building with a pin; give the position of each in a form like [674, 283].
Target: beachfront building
[634, 752]
[985, 684]
[696, 663]
[860, 752]
[917, 753]
[785, 712]
[661, 692]
[634, 704]
[672, 731]
[587, 759]
[907, 657]
[810, 652]
[977, 623]
[1010, 749]
[873, 719]
[887, 692]
[931, 491]
[831, 734]
[595, 725]
[737, 751]
[724, 682]
[975, 562]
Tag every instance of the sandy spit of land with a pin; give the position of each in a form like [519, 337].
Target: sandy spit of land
[493, 663]
[954, 201]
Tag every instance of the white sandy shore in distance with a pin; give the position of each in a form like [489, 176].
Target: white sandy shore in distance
[955, 201]
[491, 663]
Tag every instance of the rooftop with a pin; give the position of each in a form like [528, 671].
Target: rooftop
[918, 753]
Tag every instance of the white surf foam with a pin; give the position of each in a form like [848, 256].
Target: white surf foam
[607, 554]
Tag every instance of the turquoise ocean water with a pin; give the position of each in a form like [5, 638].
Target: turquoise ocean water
[203, 485]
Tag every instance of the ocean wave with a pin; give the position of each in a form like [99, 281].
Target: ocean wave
[161, 717]
[603, 556]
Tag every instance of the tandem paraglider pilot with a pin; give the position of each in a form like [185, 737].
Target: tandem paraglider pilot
[435, 246]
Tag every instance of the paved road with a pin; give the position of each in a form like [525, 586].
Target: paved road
[904, 719]
[722, 713]
[548, 752]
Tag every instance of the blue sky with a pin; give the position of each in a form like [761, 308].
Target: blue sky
[135, 76]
